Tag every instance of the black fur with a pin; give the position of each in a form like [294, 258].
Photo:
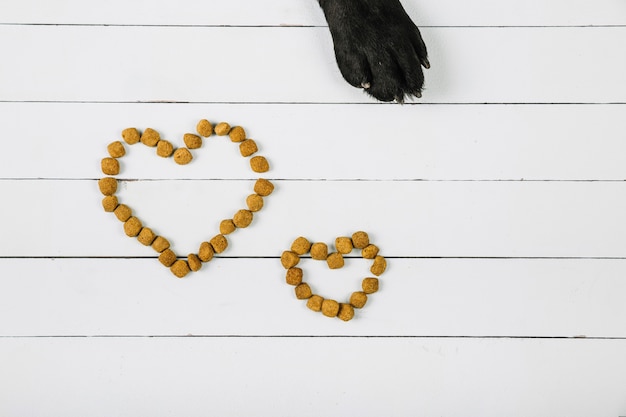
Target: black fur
[377, 47]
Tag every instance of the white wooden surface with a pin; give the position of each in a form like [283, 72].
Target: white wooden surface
[498, 199]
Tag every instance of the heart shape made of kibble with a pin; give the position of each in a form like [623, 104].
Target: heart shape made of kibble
[133, 227]
[319, 251]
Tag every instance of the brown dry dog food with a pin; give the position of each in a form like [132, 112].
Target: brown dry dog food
[263, 187]
[160, 244]
[222, 129]
[294, 276]
[164, 148]
[131, 135]
[315, 303]
[319, 251]
[194, 262]
[259, 164]
[150, 137]
[343, 245]
[370, 285]
[132, 227]
[379, 265]
[346, 312]
[330, 308]
[182, 156]
[123, 212]
[227, 227]
[369, 252]
[206, 252]
[116, 149]
[107, 185]
[192, 141]
[254, 202]
[289, 259]
[237, 134]
[243, 218]
[219, 243]
[360, 240]
[303, 291]
[110, 166]
[335, 260]
[301, 245]
[180, 268]
[204, 128]
[358, 299]
[167, 257]
[248, 147]
[109, 203]
[146, 236]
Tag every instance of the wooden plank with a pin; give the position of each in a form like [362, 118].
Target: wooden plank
[316, 141]
[239, 377]
[288, 12]
[406, 218]
[248, 297]
[475, 65]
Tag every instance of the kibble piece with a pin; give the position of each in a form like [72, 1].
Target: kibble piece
[379, 265]
[123, 212]
[319, 251]
[206, 252]
[150, 137]
[346, 312]
[315, 303]
[259, 164]
[248, 147]
[107, 185]
[167, 257]
[370, 251]
[303, 291]
[219, 243]
[194, 262]
[110, 166]
[182, 156]
[132, 227]
[146, 236]
[160, 244]
[360, 240]
[116, 149]
[222, 129]
[204, 128]
[335, 260]
[243, 218]
[289, 259]
[237, 134]
[131, 135]
[358, 299]
[370, 285]
[294, 276]
[343, 245]
[180, 268]
[301, 245]
[263, 187]
[192, 141]
[330, 308]
[164, 149]
[227, 227]
[254, 202]
[109, 203]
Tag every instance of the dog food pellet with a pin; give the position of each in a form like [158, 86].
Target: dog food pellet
[107, 185]
[303, 291]
[160, 244]
[248, 147]
[131, 135]
[150, 137]
[301, 246]
[132, 227]
[204, 128]
[194, 262]
[109, 203]
[227, 227]
[243, 218]
[222, 129]
[146, 236]
[360, 240]
[319, 251]
[192, 141]
[263, 187]
[219, 243]
[180, 268]
[335, 260]
[110, 166]
[343, 245]
[116, 149]
[167, 257]
[358, 299]
[289, 259]
[315, 303]
[369, 252]
[370, 285]
[182, 156]
[259, 164]
[123, 212]
[346, 312]
[237, 134]
[254, 202]
[294, 276]
[164, 149]
[206, 252]
[330, 308]
[379, 265]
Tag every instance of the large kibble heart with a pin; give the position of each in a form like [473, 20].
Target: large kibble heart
[319, 251]
[133, 227]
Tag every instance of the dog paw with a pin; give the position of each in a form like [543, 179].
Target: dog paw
[377, 47]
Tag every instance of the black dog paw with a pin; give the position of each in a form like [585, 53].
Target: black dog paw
[378, 47]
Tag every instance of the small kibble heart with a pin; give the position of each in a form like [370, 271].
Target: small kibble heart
[335, 260]
[133, 227]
